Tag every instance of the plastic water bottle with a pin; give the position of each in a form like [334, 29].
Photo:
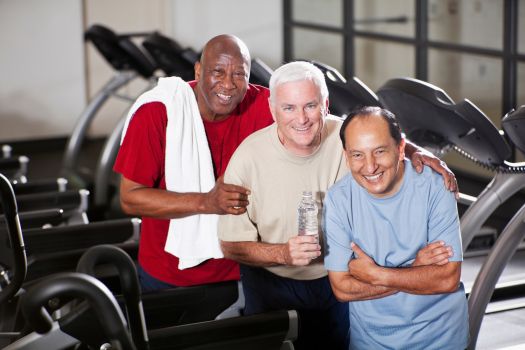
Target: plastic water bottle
[307, 215]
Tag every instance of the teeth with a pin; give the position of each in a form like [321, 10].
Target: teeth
[224, 97]
[373, 177]
[301, 129]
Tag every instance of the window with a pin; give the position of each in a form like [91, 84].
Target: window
[472, 49]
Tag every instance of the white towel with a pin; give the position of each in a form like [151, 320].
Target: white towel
[188, 168]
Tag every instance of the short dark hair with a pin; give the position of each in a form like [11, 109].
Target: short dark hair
[389, 117]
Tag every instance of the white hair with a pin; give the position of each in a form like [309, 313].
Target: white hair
[298, 71]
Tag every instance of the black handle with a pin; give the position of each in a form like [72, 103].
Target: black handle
[104, 254]
[76, 285]
[19, 268]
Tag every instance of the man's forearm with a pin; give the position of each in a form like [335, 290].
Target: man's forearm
[254, 253]
[410, 148]
[420, 279]
[347, 288]
[162, 204]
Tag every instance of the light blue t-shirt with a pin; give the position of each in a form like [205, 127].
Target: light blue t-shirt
[391, 231]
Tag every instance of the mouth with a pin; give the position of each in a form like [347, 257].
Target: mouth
[223, 98]
[301, 128]
[373, 178]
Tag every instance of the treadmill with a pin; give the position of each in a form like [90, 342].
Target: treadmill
[129, 62]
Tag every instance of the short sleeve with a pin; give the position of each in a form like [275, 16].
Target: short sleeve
[141, 155]
[443, 221]
[337, 234]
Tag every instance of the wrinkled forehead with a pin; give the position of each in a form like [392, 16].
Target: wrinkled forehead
[369, 128]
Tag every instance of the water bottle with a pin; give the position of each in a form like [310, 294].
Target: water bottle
[307, 215]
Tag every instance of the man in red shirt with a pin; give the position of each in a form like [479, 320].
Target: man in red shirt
[231, 109]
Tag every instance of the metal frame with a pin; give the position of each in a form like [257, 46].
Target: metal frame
[508, 54]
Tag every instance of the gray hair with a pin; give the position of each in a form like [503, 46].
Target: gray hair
[298, 71]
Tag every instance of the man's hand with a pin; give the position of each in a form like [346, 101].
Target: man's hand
[422, 157]
[435, 253]
[301, 250]
[362, 266]
[226, 199]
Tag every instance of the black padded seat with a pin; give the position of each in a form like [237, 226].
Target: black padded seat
[345, 95]
[430, 117]
[260, 73]
[170, 57]
[514, 125]
[119, 51]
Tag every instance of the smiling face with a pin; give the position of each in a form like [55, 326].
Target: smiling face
[222, 76]
[299, 114]
[372, 155]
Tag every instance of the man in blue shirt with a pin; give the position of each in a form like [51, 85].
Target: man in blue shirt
[376, 219]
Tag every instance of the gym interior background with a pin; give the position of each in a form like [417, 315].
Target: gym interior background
[472, 49]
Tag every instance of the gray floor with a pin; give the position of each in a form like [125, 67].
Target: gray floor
[500, 330]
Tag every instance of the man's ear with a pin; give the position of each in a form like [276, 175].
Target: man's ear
[272, 109]
[197, 70]
[326, 104]
[401, 148]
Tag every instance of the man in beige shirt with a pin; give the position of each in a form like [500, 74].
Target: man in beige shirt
[299, 152]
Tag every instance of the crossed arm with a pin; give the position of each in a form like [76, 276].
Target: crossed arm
[431, 273]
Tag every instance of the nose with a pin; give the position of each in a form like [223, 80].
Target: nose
[302, 117]
[228, 82]
[370, 165]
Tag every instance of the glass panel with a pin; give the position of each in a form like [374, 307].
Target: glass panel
[377, 61]
[320, 46]
[521, 27]
[394, 17]
[326, 12]
[521, 84]
[467, 22]
[477, 78]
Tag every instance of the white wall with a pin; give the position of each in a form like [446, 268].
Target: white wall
[48, 74]
[258, 23]
[41, 68]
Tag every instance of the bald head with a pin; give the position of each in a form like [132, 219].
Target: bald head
[226, 44]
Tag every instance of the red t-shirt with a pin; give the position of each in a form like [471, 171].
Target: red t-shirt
[141, 159]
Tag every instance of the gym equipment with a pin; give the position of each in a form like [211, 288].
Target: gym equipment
[74, 203]
[11, 279]
[430, 118]
[38, 218]
[130, 63]
[255, 331]
[345, 96]
[56, 185]
[14, 168]
[70, 285]
[170, 57]
[11, 275]
[260, 73]
[505, 246]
